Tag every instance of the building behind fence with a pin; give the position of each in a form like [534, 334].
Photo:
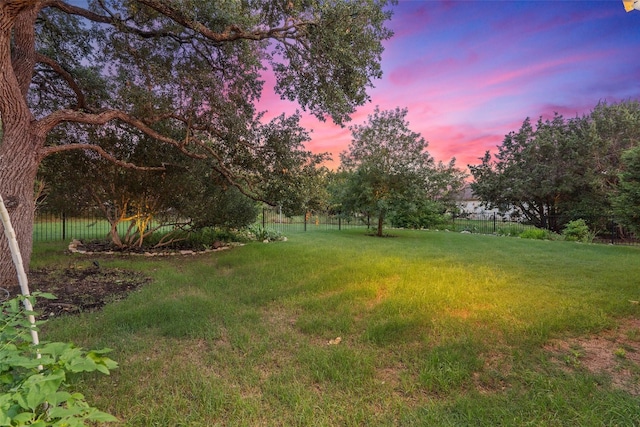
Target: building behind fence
[56, 227]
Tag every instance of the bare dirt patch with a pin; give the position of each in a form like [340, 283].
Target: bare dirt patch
[81, 289]
[615, 353]
[88, 288]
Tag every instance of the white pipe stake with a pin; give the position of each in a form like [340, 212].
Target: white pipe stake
[17, 261]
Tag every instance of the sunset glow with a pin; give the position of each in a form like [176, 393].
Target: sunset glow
[471, 71]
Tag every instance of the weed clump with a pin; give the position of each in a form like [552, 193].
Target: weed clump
[538, 234]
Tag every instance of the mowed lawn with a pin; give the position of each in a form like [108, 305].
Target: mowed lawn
[337, 328]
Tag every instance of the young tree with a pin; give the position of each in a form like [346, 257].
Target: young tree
[186, 73]
[386, 165]
[445, 183]
[293, 175]
[439, 197]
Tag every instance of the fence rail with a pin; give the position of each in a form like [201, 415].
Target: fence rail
[56, 227]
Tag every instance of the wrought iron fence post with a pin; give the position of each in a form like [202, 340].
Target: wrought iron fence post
[64, 226]
[494, 223]
[612, 230]
[264, 224]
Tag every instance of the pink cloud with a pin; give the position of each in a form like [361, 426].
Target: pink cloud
[466, 143]
[540, 70]
[471, 72]
[417, 69]
[410, 22]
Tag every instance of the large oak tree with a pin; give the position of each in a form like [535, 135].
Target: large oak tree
[186, 73]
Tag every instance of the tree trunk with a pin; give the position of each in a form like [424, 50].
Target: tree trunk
[380, 223]
[20, 140]
[18, 168]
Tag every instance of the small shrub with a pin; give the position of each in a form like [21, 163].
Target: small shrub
[421, 216]
[259, 233]
[578, 231]
[33, 378]
[534, 233]
[510, 230]
[206, 238]
[539, 234]
[190, 239]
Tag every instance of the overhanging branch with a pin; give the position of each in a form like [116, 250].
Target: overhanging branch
[243, 183]
[230, 33]
[102, 153]
[47, 123]
[76, 10]
[81, 101]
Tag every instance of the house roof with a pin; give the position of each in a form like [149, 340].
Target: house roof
[466, 195]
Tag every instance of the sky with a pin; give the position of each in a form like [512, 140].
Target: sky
[471, 71]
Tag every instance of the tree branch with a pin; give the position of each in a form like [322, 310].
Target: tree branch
[75, 10]
[49, 122]
[231, 32]
[104, 154]
[107, 19]
[81, 101]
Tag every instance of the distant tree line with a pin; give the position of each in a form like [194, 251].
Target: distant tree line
[387, 174]
[560, 169]
[551, 173]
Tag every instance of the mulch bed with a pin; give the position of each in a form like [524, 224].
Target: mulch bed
[81, 289]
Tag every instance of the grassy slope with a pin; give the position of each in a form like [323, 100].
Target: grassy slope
[436, 329]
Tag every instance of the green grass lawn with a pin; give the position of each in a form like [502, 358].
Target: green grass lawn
[435, 328]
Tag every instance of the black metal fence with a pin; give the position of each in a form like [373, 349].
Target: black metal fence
[274, 219]
[50, 227]
[605, 229]
[55, 227]
[485, 224]
[58, 226]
